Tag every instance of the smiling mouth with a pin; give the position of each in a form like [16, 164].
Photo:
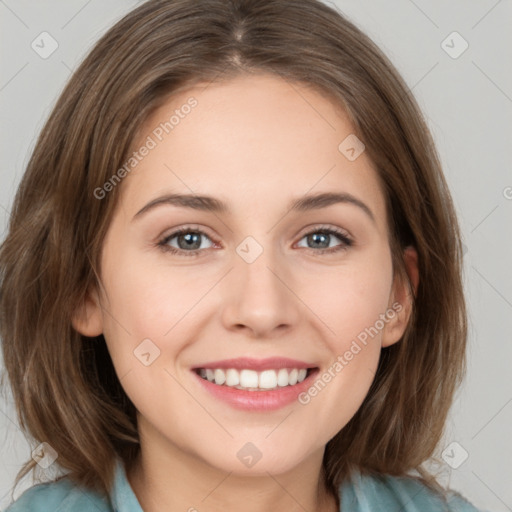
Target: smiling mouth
[251, 380]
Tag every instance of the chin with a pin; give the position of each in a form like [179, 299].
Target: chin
[248, 459]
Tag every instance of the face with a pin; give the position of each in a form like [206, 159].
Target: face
[259, 278]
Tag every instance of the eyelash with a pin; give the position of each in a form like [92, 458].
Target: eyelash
[346, 241]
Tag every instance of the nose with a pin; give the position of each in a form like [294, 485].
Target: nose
[259, 296]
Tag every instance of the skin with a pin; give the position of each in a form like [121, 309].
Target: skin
[255, 143]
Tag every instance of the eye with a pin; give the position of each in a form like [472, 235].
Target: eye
[188, 241]
[321, 237]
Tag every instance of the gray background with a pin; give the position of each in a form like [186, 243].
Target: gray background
[468, 104]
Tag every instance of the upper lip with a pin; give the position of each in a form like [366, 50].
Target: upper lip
[249, 363]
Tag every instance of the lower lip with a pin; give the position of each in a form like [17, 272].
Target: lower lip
[257, 400]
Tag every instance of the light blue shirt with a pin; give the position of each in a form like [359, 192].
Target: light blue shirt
[361, 494]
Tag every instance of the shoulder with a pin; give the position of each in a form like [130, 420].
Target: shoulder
[61, 495]
[407, 494]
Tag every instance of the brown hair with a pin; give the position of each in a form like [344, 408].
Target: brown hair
[64, 384]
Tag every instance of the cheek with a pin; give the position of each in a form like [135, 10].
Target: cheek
[352, 300]
[351, 306]
[155, 302]
[147, 299]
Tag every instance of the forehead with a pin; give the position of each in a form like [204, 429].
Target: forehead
[251, 141]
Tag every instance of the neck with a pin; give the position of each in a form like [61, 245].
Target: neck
[175, 480]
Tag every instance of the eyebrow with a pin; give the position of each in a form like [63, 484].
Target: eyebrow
[211, 204]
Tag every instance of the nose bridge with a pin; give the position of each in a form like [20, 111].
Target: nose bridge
[256, 265]
[259, 297]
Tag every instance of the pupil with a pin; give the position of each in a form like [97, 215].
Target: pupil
[316, 236]
[190, 240]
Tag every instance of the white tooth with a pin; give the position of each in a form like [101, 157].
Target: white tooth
[220, 376]
[282, 377]
[268, 379]
[232, 377]
[252, 380]
[249, 379]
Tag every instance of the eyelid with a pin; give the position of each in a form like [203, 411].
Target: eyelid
[184, 228]
[326, 227]
[306, 231]
[343, 235]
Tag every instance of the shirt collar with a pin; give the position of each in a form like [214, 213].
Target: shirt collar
[123, 497]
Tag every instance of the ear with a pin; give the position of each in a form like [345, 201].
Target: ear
[401, 300]
[87, 318]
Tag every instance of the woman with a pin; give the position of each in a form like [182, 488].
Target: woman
[260, 371]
